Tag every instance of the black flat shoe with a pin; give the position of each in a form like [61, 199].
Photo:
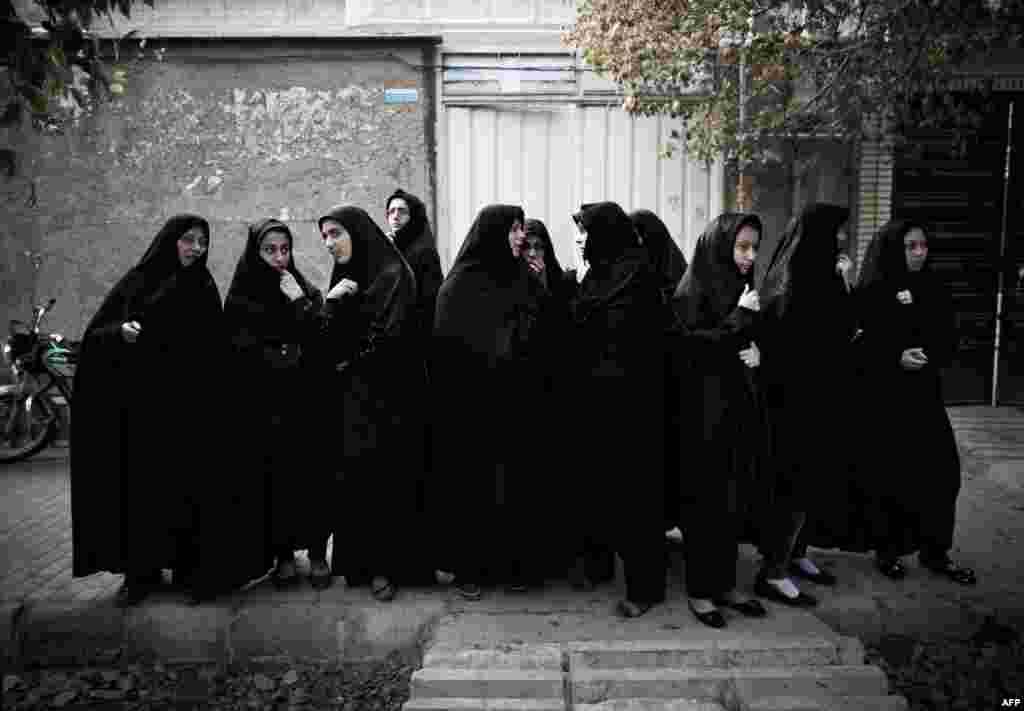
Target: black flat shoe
[748, 608]
[711, 618]
[891, 568]
[822, 577]
[320, 576]
[131, 594]
[766, 590]
[630, 609]
[946, 567]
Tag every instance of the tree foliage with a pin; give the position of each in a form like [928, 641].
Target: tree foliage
[743, 74]
[56, 70]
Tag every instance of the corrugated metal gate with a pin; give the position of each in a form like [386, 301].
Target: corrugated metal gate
[543, 140]
[962, 201]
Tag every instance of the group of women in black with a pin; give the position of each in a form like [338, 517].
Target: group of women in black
[413, 416]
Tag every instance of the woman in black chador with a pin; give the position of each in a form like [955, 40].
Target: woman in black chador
[410, 230]
[150, 355]
[668, 262]
[619, 340]
[667, 259]
[272, 319]
[373, 355]
[484, 362]
[716, 309]
[908, 337]
[807, 327]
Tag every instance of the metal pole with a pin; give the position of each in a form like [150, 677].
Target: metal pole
[1000, 266]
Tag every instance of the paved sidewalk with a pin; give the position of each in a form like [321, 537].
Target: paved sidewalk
[36, 585]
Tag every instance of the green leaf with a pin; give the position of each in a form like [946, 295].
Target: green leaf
[56, 55]
[39, 103]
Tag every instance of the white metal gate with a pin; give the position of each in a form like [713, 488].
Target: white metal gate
[551, 157]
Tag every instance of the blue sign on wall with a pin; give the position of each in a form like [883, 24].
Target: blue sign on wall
[401, 96]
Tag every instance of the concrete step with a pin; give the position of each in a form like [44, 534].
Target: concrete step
[486, 684]
[485, 704]
[591, 686]
[728, 653]
[651, 705]
[528, 656]
[838, 703]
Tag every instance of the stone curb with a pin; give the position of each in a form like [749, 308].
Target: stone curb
[60, 633]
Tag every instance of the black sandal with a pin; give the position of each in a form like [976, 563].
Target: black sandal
[320, 576]
[748, 608]
[630, 609]
[282, 582]
[963, 576]
[383, 593]
[891, 568]
[711, 618]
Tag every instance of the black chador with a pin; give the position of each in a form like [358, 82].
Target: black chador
[373, 389]
[722, 440]
[912, 470]
[484, 361]
[137, 469]
[271, 334]
[807, 328]
[619, 339]
[667, 259]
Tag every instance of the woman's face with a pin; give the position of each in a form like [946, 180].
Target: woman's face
[337, 240]
[398, 214]
[915, 246]
[276, 250]
[744, 250]
[516, 238]
[581, 235]
[534, 249]
[192, 245]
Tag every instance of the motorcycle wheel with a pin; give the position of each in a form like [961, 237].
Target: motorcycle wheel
[24, 432]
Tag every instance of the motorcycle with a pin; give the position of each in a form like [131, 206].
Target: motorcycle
[42, 367]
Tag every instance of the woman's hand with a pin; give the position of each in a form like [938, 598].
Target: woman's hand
[751, 357]
[913, 359]
[342, 289]
[749, 299]
[535, 263]
[905, 297]
[843, 267]
[130, 331]
[290, 287]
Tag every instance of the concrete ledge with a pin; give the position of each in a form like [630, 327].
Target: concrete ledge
[70, 634]
[546, 657]
[651, 705]
[595, 686]
[738, 652]
[842, 703]
[486, 683]
[169, 630]
[484, 705]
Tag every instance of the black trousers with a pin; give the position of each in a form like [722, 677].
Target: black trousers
[710, 539]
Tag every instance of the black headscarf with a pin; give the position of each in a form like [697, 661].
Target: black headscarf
[666, 257]
[386, 283]
[610, 232]
[485, 288]
[536, 228]
[255, 279]
[804, 262]
[418, 226]
[885, 261]
[712, 284]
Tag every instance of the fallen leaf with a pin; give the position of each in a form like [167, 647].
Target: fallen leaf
[11, 681]
[262, 682]
[110, 676]
[126, 683]
[290, 678]
[107, 694]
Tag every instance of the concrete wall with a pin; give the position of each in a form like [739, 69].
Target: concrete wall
[232, 130]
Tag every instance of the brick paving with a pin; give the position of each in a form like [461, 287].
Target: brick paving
[35, 513]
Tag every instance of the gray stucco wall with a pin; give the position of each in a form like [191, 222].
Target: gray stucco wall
[232, 130]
